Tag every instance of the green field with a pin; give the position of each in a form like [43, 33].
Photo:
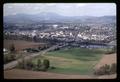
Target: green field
[73, 61]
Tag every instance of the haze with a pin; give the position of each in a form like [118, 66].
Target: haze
[65, 9]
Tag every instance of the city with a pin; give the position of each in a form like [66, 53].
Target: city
[59, 42]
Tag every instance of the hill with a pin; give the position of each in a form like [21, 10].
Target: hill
[54, 18]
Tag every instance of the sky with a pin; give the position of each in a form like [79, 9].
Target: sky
[65, 9]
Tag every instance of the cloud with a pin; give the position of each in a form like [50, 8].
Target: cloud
[67, 9]
[81, 5]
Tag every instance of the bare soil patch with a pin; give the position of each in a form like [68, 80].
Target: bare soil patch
[26, 74]
[20, 44]
[107, 59]
[113, 76]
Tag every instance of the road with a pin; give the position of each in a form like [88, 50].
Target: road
[14, 63]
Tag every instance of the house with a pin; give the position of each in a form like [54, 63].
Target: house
[5, 51]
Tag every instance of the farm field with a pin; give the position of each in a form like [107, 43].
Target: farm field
[73, 61]
[20, 44]
[27, 74]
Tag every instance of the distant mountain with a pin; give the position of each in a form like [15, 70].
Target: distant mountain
[53, 18]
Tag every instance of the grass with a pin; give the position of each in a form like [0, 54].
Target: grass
[73, 61]
[77, 53]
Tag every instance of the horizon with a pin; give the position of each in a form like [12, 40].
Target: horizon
[57, 14]
[63, 9]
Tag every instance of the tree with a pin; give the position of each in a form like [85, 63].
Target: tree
[29, 64]
[12, 57]
[12, 48]
[35, 39]
[9, 58]
[114, 49]
[46, 63]
[38, 63]
[106, 69]
[113, 68]
[21, 64]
